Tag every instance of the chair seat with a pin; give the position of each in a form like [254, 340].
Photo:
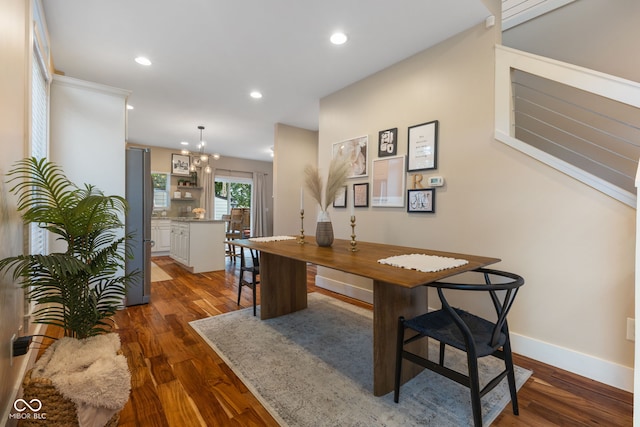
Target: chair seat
[233, 235]
[438, 325]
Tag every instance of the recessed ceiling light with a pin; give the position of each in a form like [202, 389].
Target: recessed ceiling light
[255, 94]
[143, 61]
[338, 38]
[129, 107]
[184, 143]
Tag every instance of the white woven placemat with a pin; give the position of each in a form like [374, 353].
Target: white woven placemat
[271, 238]
[422, 262]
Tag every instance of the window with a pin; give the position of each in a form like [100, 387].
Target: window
[39, 128]
[39, 144]
[231, 192]
[161, 183]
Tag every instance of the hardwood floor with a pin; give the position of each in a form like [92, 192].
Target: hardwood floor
[178, 380]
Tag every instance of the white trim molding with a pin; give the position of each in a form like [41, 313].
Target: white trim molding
[345, 289]
[585, 365]
[612, 87]
[23, 364]
[516, 12]
[600, 370]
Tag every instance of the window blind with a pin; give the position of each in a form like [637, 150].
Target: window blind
[39, 144]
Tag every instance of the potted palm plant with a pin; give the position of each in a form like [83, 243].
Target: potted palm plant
[81, 288]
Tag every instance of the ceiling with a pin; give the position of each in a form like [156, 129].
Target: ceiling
[208, 55]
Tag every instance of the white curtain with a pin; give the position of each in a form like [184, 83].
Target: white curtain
[259, 205]
[208, 190]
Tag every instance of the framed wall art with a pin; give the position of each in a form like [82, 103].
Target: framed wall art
[356, 152]
[422, 200]
[180, 165]
[388, 182]
[361, 195]
[388, 142]
[423, 147]
[341, 198]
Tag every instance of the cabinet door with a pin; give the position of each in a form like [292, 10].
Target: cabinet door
[179, 243]
[183, 245]
[174, 243]
[162, 237]
[155, 236]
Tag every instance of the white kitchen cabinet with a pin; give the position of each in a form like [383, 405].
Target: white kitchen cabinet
[161, 236]
[179, 242]
[198, 245]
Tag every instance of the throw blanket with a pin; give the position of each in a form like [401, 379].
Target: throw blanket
[90, 373]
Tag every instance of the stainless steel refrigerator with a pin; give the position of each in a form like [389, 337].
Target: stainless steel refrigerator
[139, 195]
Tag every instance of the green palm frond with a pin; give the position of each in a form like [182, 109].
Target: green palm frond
[80, 289]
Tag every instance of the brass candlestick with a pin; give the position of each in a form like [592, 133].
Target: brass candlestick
[301, 236]
[354, 247]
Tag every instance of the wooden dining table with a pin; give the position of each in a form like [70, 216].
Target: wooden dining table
[396, 291]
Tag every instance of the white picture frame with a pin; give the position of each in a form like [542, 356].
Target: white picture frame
[356, 152]
[388, 182]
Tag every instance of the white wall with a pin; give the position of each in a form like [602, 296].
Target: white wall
[573, 245]
[14, 104]
[88, 129]
[600, 35]
[294, 149]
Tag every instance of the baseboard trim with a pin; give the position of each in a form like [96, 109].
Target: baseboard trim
[26, 363]
[345, 289]
[582, 364]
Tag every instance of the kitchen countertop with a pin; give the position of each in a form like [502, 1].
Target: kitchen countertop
[185, 219]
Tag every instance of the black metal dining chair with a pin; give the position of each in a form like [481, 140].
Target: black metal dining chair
[253, 268]
[476, 336]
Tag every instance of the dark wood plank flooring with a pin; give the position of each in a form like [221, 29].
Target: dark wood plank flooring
[178, 380]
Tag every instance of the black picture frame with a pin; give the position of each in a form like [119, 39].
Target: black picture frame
[180, 165]
[422, 151]
[388, 142]
[421, 200]
[341, 198]
[361, 195]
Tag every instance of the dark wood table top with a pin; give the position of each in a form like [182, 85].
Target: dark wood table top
[364, 262]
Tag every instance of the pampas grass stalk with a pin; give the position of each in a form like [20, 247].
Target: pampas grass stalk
[338, 172]
[314, 183]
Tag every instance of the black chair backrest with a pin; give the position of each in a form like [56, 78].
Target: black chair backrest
[255, 257]
[502, 304]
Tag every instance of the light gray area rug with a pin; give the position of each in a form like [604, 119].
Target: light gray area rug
[314, 368]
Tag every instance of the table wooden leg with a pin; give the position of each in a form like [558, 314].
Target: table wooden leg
[283, 285]
[389, 303]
